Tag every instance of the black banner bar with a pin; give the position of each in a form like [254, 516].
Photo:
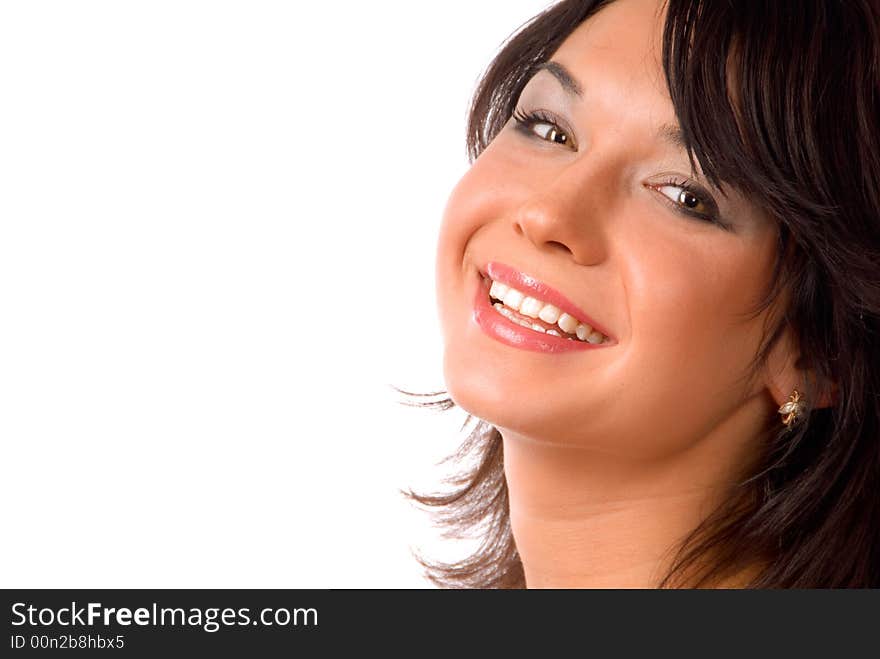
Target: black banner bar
[414, 622]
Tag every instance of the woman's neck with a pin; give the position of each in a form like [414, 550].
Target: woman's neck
[583, 519]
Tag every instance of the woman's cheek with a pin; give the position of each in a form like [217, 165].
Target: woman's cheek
[461, 218]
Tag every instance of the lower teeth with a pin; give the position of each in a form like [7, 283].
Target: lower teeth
[508, 313]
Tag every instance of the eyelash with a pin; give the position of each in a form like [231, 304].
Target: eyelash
[526, 121]
[689, 187]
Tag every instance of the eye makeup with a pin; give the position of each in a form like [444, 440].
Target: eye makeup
[684, 195]
[527, 122]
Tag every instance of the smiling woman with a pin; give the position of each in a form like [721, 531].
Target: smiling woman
[659, 298]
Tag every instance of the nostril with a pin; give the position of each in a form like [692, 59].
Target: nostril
[558, 245]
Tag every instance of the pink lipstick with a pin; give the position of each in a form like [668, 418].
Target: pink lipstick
[507, 331]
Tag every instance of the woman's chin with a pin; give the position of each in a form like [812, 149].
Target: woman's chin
[472, 389]
[490, 394]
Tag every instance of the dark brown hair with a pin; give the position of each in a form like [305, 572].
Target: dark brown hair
[802, 140]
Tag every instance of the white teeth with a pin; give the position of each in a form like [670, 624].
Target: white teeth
[504, 311]
[567, 323]
[530, 307]
[498, 290]
[595, 337]
[513, 298]
[549, 314]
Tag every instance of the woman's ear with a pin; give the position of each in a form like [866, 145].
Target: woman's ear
[782, 375]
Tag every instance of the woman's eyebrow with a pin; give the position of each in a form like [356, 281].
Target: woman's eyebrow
[673, 135]
[564, 77]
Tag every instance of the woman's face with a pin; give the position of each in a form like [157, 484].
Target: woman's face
[594, 198]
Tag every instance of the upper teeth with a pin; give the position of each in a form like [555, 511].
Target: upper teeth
[534, 308]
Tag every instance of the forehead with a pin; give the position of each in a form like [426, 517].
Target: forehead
[616, 56]
[625, 27]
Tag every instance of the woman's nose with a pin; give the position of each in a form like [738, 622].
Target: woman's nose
[567, 210]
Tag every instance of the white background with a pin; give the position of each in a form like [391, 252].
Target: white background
[217, 233]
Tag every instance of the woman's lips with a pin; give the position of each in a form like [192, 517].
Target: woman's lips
[506, 331]
[529, 285]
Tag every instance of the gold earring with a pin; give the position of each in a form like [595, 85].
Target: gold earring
[792, 410]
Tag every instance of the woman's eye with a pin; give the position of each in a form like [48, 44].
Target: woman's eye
[550, 132]
[689, 198]
[538, 124]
